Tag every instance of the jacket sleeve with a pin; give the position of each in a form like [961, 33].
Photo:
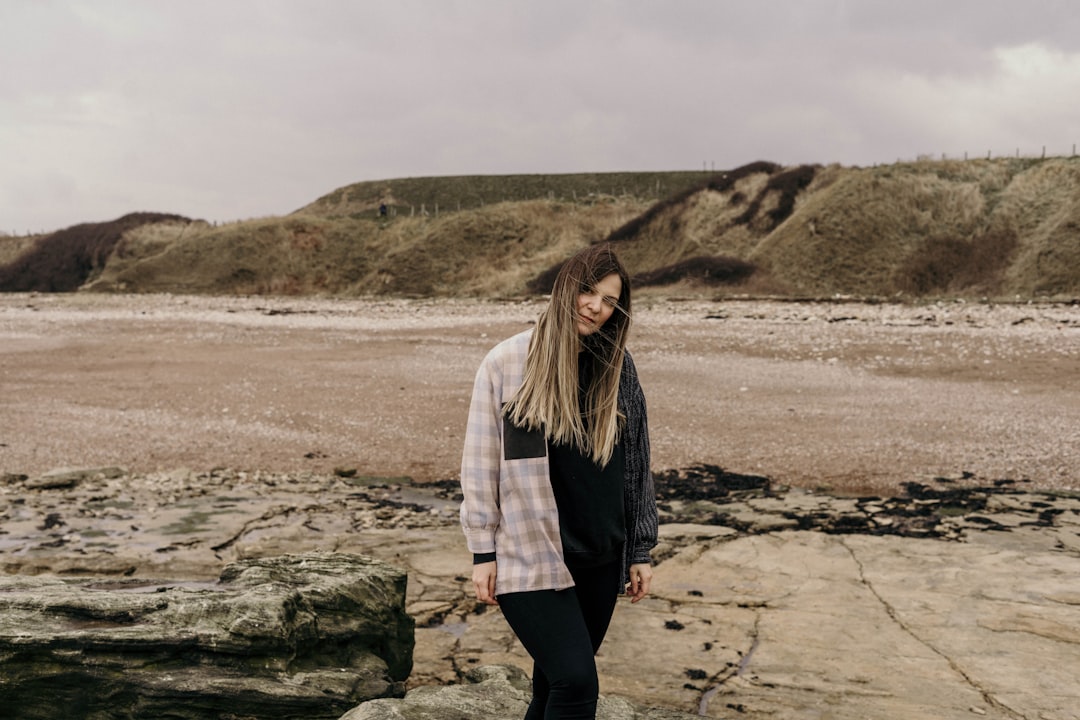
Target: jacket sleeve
[640, 496]
[480, 512]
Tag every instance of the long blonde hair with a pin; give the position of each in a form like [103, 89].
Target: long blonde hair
[548, 397]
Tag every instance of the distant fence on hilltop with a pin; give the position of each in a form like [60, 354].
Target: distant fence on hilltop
[1015, 154]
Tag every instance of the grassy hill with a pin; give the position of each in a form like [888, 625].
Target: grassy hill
[432, 195]
[1002, 229]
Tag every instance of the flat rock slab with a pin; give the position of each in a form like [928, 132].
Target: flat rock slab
[957, 599]
[952, 604]
[855, 626]
[298, 636]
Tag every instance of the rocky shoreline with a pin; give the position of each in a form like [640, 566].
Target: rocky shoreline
[768, 599]
[892, 533]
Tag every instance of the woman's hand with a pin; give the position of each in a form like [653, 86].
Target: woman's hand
[640, 580]
[483, 580]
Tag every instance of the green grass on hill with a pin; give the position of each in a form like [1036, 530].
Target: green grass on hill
[431, 195]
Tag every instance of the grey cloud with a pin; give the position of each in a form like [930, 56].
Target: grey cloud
[252, 107]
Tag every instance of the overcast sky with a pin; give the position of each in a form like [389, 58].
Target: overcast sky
[231, 109]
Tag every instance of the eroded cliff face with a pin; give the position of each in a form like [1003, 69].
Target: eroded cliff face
[295, 636]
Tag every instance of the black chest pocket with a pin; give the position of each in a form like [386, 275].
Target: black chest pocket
[519, 443]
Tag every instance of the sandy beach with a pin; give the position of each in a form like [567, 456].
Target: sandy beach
[845, 396]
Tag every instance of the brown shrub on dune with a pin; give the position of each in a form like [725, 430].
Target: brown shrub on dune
[64, 260]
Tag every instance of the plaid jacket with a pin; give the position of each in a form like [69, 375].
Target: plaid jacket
[509, 507]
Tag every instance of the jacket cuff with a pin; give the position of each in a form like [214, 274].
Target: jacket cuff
[480, 541]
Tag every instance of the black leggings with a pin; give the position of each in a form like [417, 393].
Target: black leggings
[562, 630]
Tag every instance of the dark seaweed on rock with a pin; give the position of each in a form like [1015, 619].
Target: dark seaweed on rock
[707, 482]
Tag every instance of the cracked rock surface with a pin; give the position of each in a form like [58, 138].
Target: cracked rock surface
[947, 601]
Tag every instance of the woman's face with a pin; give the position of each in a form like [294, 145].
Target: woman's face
[596, 304]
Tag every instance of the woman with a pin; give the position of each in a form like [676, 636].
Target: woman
[559, 509]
